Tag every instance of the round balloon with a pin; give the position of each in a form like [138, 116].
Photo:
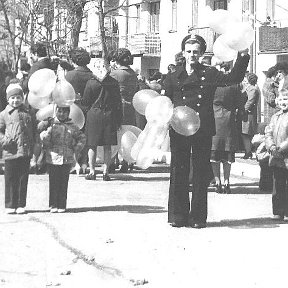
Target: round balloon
[128, 139]
[185, 121]
[222, 51]
[63, 93]
[159, 109]
[38, 102]
[142, 98]
[45, 112]
[42, 82]
[220, 20]
[77, 115]
[239, 36]
[135, 130]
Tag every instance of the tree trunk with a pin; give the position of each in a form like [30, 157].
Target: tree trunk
[76, 28]
[102, 30]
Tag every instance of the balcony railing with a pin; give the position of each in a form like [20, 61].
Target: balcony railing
[147, 44]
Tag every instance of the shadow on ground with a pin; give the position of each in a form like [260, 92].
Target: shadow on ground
[251, 223]
[242, 188]
[140, 209]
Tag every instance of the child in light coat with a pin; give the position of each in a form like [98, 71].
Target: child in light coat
[276, 140]
[17, 138]
[62, 141]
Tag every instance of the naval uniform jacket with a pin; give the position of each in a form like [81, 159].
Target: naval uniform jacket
[197, 90]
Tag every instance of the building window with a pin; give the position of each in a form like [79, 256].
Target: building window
[154, 16]
[220, 4]
[138, 11]
[174, 15]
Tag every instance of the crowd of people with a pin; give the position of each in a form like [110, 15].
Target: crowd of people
[224, 96]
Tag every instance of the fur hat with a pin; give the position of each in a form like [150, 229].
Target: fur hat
[14, 89]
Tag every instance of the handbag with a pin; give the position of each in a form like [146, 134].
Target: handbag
[262, 155]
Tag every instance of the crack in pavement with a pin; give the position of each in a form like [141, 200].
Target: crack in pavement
[79, 254]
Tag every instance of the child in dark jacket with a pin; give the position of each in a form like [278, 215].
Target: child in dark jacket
[62, 141]
[17, 138]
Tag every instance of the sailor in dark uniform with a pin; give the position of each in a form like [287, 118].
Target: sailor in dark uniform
[194, 85]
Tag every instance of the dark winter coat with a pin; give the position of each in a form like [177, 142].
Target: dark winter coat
[249, 121]
[226, 101]
[128, 83]
[105, 96]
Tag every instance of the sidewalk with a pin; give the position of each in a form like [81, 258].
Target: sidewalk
[115, 234]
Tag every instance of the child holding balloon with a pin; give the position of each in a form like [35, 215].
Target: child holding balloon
[63, 142]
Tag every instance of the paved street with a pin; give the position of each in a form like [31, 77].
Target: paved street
[115, 234]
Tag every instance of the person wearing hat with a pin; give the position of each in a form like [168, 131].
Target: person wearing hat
[62, 141]
[193, 85]
[249, 121]
[17, 138]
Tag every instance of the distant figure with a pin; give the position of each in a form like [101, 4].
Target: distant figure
[249, 120]
[171, 68]
[224, 142]
[40, 58]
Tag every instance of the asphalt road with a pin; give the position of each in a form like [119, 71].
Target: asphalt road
[115, 234]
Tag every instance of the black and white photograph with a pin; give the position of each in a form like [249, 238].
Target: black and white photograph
[143, 143]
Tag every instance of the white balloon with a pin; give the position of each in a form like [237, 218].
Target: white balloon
[42, 82]
[220, 20]
[159, 109]
[222, 51]
[45, 112]
[239, 36]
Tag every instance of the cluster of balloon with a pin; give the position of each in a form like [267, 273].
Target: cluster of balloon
[235, 35]
[158, 111]
[45, 94]
[41, 85]
[126, 136]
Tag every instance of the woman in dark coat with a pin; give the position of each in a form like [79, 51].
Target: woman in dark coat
[224, 143]
[78, 78]
[104, 118]
[128, 82]
[80, 75]
[249, 120]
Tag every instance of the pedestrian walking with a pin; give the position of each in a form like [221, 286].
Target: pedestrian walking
[17, 138]
[249, 117]
[194, 85]
[224, 142]
[62, 141]
[104, 118]
[276, 139]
